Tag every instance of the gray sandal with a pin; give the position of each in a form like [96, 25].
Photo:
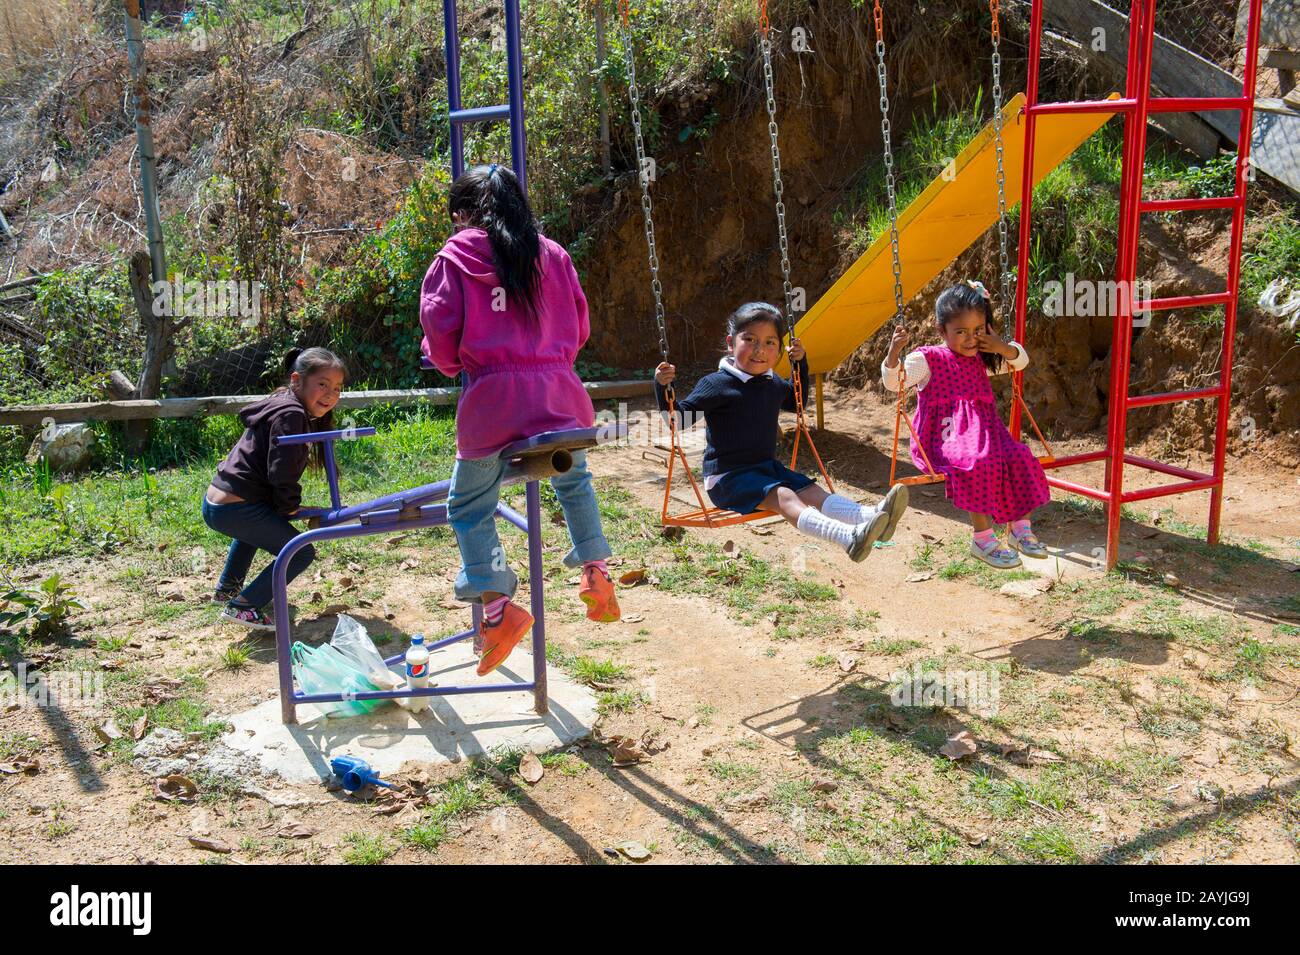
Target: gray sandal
[995, 555]
[1028, 544]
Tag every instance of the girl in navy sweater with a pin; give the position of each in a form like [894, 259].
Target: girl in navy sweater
[741, 403]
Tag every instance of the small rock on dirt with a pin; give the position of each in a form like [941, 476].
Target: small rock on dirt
[160, 742]
[633, 850]
[1027, 589]
[531, 769]
[212, 845]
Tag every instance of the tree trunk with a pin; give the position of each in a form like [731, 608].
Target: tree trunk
[157, 346]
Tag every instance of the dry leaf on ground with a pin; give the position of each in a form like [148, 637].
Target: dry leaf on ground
[959, 746]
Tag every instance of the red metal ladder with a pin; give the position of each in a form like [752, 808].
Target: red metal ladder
[1137, 105]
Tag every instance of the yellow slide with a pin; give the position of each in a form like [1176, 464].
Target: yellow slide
[941, 223]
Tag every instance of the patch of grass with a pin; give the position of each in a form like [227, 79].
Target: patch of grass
[235, 657]
[1137, 769]
[962, 566]
[1158, 721]
[1167, 618]
[363, 849]
[1276, 252]
[590, 670]
[1107, 596]
[619, 701]
[450, 801]
[1251, 659]
[1094, 632]
[892, 648]
[754, 589]
[1050, 844]
[935, 847]
[789, 793]
[821, 661]
[185, 715]
[58, 829]
[566, 764]
[732, 772]
[925, 557]
[18, 744]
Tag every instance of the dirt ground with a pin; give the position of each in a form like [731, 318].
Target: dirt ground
[1120, 735]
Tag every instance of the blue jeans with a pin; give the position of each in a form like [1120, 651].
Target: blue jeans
[471, 511]
[253, 525]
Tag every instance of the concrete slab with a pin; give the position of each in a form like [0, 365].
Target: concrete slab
[452, 729]
[1079, 559]
[1069, 560]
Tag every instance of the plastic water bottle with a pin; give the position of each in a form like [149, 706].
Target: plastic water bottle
[417, 672]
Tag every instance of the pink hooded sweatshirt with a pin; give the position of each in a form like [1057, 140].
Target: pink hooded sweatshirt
[519, 366]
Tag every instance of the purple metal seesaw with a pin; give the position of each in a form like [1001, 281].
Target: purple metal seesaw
[532, 460]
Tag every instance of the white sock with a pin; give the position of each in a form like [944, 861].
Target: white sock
[816, 524]
[839, 508]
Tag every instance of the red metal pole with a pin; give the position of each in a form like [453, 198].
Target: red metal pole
[1026, 197]
[1125, 269]
[1130, 207]
[1234, 270]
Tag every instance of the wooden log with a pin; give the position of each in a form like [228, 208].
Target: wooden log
[21, 283]
[1276, 146]
[119, 387]
[139, 409]
[1280, 60]
[15, 324]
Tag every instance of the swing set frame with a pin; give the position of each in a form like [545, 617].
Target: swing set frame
[1136, 106]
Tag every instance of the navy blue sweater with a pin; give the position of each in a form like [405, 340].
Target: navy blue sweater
[740, 417]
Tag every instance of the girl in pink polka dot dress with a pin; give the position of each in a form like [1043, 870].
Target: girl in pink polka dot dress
[989, 474]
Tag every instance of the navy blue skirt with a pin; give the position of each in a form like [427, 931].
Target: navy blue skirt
[744, 489]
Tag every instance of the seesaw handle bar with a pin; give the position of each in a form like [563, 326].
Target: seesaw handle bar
[314, 436]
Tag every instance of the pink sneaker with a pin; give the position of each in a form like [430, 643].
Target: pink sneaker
[249, 617]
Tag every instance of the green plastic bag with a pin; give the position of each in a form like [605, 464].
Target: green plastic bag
[324, 670]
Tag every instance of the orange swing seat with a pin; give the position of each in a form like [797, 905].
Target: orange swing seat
[707, 516]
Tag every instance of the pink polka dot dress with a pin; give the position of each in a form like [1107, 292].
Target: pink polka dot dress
[957, 421]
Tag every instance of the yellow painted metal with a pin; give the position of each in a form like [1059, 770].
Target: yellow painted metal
[936, 227]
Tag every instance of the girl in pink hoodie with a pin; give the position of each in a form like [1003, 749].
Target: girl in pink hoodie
[501, 307]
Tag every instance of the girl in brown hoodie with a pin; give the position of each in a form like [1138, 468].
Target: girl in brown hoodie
[257, 489]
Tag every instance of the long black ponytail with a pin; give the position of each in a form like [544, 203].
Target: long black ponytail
[491, 198]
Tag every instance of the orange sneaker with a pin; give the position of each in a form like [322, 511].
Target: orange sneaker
[500, 639]
[597, 592]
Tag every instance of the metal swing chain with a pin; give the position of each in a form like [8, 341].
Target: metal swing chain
[879, 17]
[778, 187]
[1004, 266]
[647, 207]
